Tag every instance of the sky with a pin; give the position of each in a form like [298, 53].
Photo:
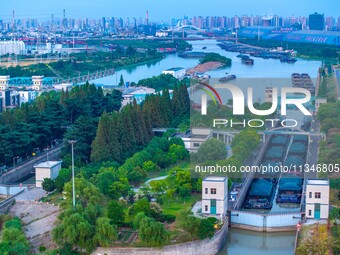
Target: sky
[164, 10]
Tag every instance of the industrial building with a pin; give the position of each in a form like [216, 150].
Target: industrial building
[176, 72]
[12, 47]
[289, 35]
[315, 37]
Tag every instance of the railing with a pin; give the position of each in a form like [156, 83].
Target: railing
[7, 202]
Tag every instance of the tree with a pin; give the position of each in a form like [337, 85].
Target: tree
[76, 231]
[121, 81]
[86, 193]
[105, 233]
[115, 212]
[48, 184]
[205, 229]
[191, 225]
[136, 221]
[13, 238]
[211, 150]
[152, 233]
[142, 205]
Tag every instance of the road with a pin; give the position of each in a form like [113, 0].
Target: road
[26, 167]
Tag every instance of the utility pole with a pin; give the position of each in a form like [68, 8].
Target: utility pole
[72, 142]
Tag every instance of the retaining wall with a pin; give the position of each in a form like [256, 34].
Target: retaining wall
[202, 247]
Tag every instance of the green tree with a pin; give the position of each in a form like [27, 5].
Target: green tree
[48, 184]
[76, 231]
[205, 229]
[105, 233]
[152, 233]
[211, 150]
[115, 212]
[121, 81]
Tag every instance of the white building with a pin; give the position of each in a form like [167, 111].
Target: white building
[317, 199]
[37, 82]
[48, 169]
[12, 47]
[27, 96]
[138, 93]
[194, 137]
[176, 72]
[215, 195]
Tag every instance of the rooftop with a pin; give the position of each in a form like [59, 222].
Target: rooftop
[215, 178]
[318, 182]
[48, 164]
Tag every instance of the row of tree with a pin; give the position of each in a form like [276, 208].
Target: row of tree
[121, 134]
[37, 125]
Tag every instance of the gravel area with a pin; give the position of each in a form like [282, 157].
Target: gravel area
[39, 218]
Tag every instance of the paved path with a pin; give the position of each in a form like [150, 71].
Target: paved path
[136, 189]
[31, 195]
[197, 206]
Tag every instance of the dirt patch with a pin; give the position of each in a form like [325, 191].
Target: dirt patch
[201, 68]
[39, 220]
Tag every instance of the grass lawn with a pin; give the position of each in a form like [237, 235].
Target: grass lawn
[165, 171]
[173, 206]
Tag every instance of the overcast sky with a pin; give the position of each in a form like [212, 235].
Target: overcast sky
[163, 10]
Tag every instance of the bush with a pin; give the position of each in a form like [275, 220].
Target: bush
[48, 184]
[167, 218]
[15, 223]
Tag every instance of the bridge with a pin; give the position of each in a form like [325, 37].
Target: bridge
[51, 81]
[189, 29]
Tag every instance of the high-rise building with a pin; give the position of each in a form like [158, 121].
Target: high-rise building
[330, 22]
[316, 21]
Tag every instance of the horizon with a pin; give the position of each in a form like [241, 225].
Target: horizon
[162, 11]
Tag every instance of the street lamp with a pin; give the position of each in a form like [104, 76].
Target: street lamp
[14, 161]
[72, 142]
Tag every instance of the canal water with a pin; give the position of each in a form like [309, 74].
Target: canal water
[244, 242]
[239, 242]
[263, 68]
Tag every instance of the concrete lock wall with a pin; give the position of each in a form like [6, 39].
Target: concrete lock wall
[263, 222]
[202, 247]
[246, 218]
[283, 220]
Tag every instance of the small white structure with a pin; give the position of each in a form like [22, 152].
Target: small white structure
[37, 82]
[27, 96]
[194, 137]
[64, 86]
[176, 72]
[4, 80]
[215, 195]
[317, 199]
[48, 169]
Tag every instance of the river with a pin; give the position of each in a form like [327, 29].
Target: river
[263, 68]
[244, 242]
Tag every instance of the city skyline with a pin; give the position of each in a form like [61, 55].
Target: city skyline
[162, 11]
